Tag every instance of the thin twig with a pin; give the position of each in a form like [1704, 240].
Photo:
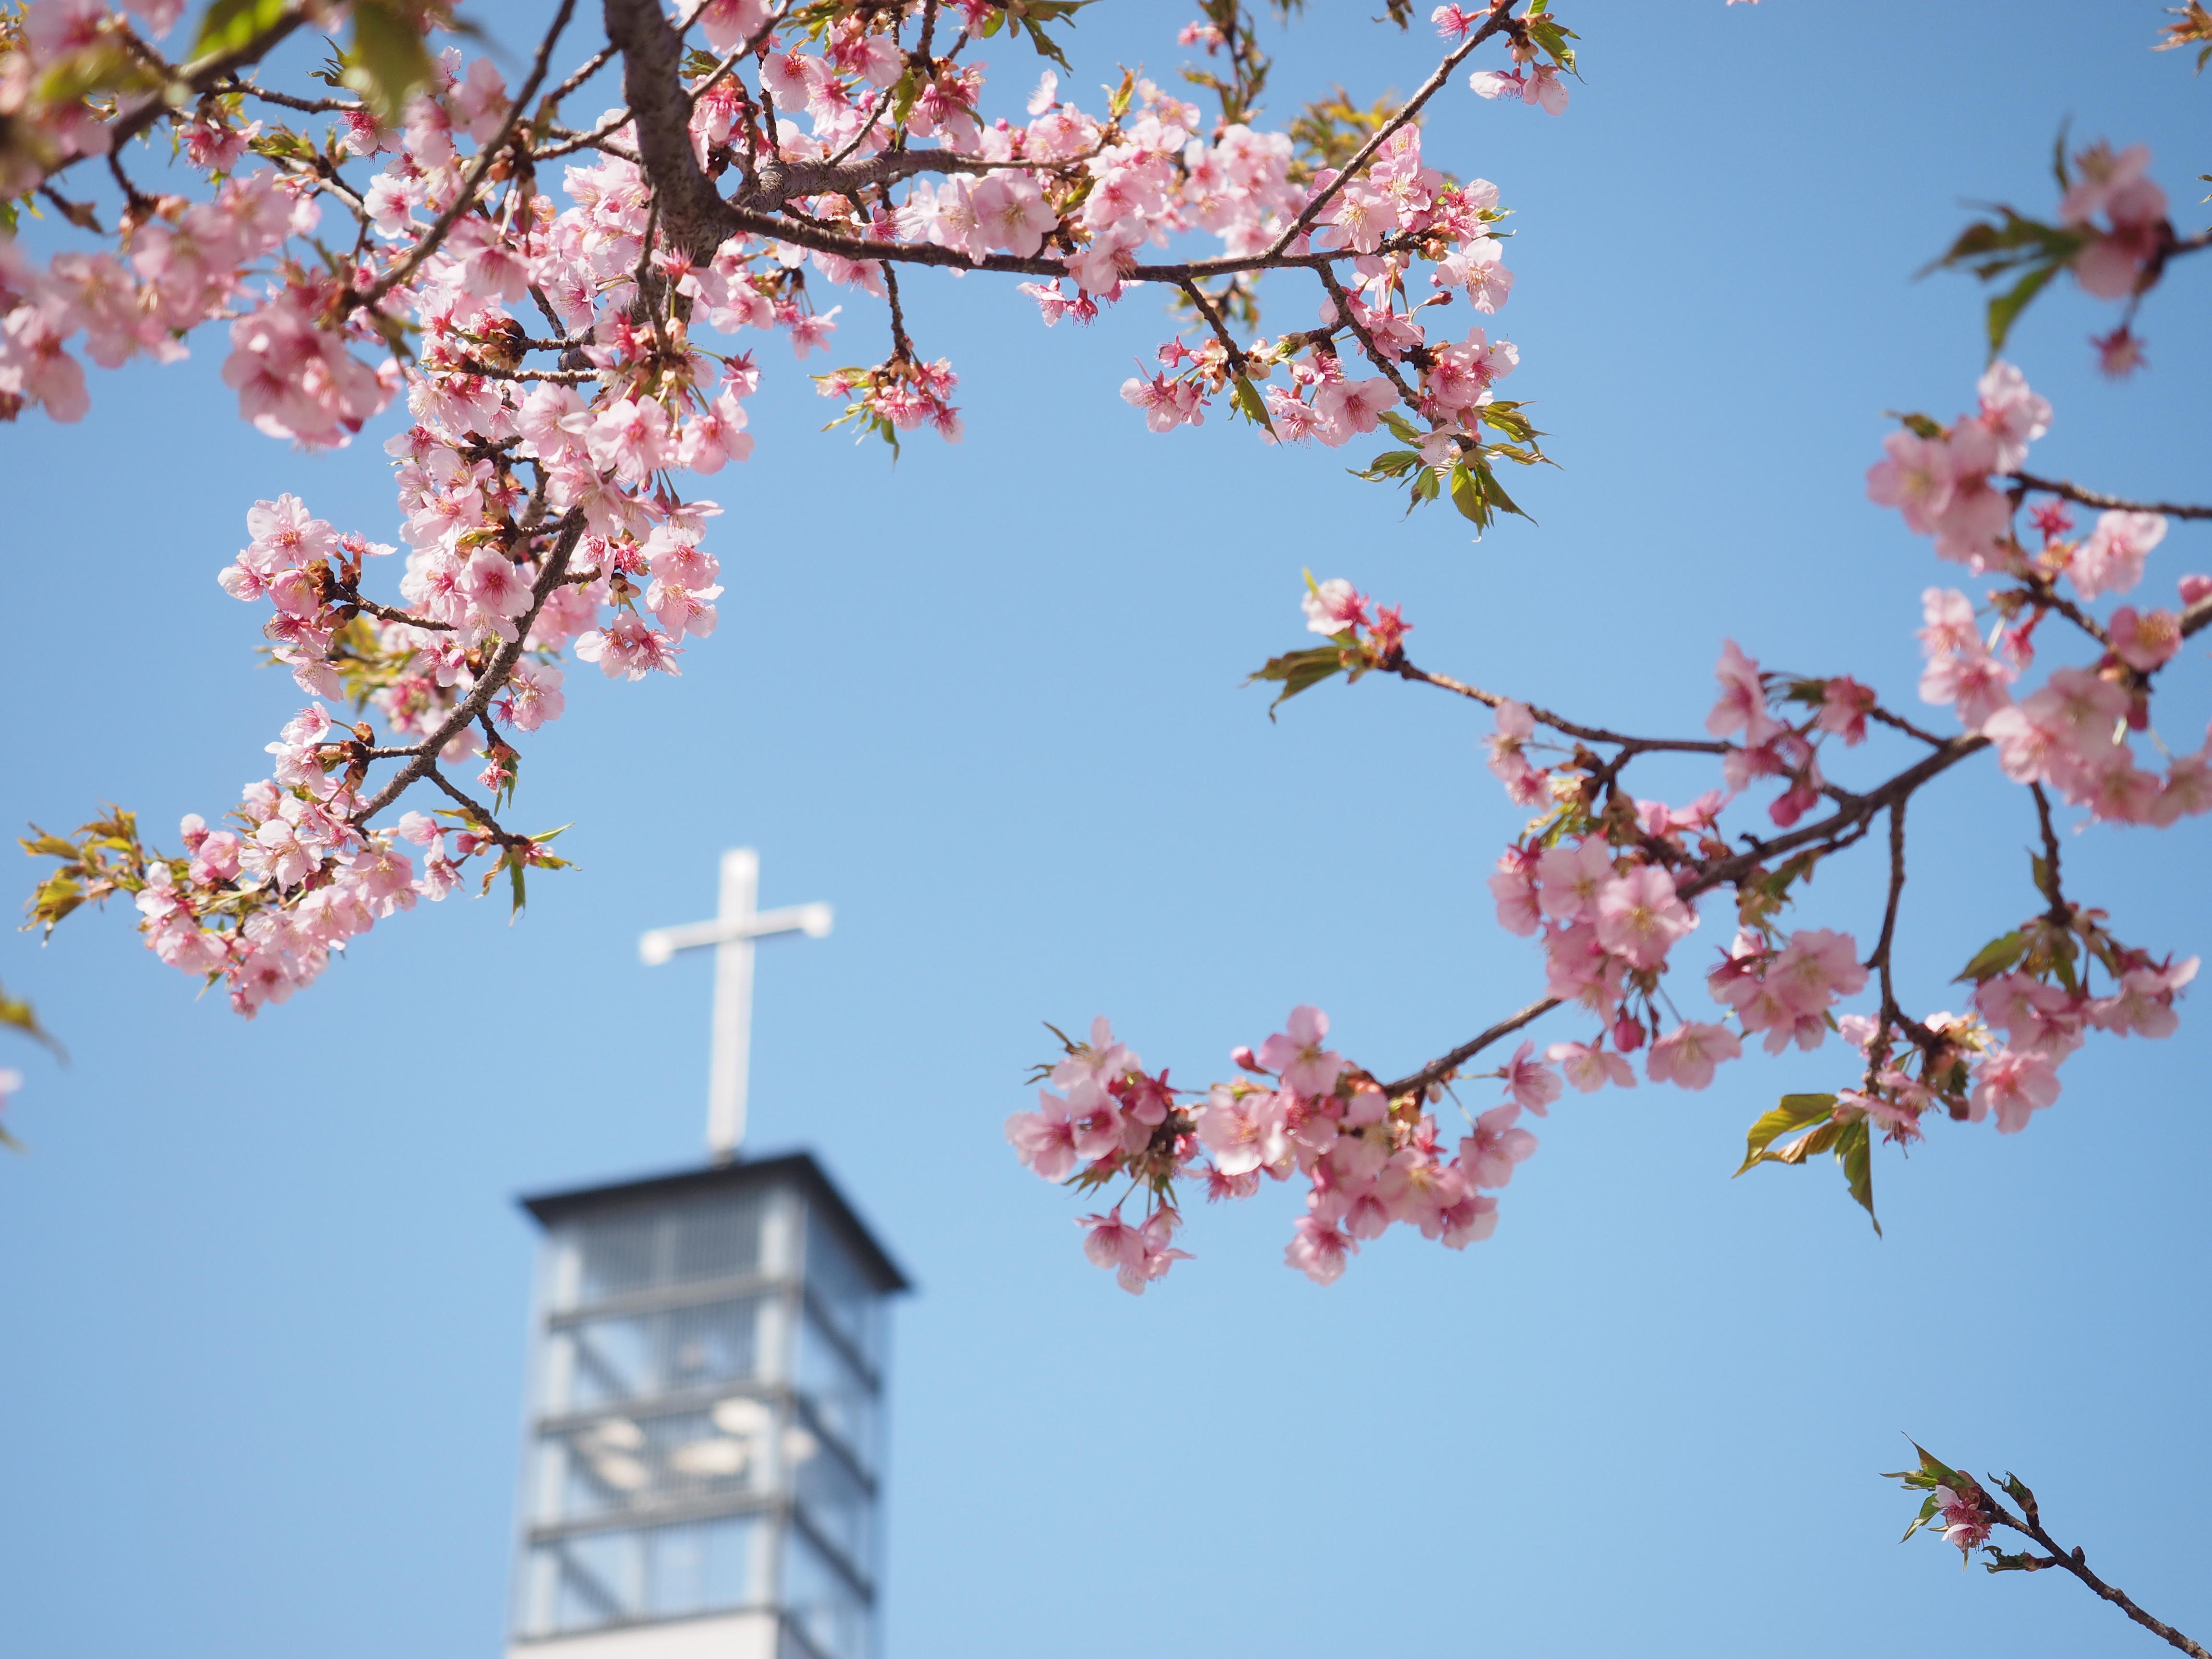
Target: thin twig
[2110, 503]
[2030, 1525]
[1439, 1069]
[1428, 89]
[502, 668]
[465, 197]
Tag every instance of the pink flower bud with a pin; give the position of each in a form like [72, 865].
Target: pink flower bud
[1627, 1035]
[1242, 1055]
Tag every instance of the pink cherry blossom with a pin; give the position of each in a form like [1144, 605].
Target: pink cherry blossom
[1244, 1129]
[2147, 642]
[1492, 1151]
[2111, 560]
[2015, 1085]
[1532, 1084]
[1742, 705]
[1639, 917]
[1319, 1251]
[1687, 1056]
[1591, 1066]
[1296, 1056]
[1333, 607]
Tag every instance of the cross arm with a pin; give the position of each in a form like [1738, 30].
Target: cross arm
[663, 943]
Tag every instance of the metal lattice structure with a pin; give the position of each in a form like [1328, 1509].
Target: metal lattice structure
[704, 1449]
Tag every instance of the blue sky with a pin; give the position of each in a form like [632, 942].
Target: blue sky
[264, 1288]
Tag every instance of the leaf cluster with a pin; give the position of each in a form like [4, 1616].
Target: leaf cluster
[106, 857]
[2195, 29]
[1019, 17]
[2012, 244]
[1472, 481]
[1850, 1137]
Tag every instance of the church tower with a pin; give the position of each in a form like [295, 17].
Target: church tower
[703, 1460]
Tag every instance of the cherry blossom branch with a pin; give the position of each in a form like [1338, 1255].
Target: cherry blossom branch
[1893, 1014]
[777, 182]
[1966, 1510]
[2110, 503]
[1405, 670]
[799, 232]
[1366, 153]
[464, 197]
[590, 66]
[739, 52]
[1897, 722]
[1234, 354]
[695, 216]
[203, 73]
[594, 138]
[2076, 1562]
[1445, 1064]
[569, 531]
[2061, 912]
[1380, 359]
[286, 100]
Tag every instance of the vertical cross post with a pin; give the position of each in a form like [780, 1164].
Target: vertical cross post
[729, 1060]
[736, 925]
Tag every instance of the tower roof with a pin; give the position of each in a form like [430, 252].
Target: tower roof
[791, 1169]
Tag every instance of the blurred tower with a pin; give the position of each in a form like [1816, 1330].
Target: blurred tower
[703, 1463]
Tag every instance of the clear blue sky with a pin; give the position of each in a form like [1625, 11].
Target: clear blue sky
[263, 1287]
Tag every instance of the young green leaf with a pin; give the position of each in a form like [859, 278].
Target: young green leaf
[1301, 671]
[1854, 1152]
[2000, 954]
[1249, 405]
[388, 61]
[2005, 309]
[230, 24]
[1795, 1112]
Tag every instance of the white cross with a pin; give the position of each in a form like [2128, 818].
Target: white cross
[731, 934]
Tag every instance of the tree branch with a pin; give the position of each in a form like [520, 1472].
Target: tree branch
[2030, 1525]
[571, 530]
[2109, 503]
[1437, 1069]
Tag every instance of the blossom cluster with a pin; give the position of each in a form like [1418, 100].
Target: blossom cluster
[1608, 884]
[1399, 212]
[2076, 730]
[1297, 1112]
[571, 342]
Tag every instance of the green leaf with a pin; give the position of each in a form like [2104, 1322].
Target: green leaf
[1467, 496]
[1302, 670]
[1403, 430]
[388, 61]
[1508, 419]
[1932, 1473]
[1390, 464]
[1854, 1152]
[1920, 426]
[1795, 1112]
[904, 91]
[230, 24]
[1995, 957]
[18, 1014]
[1249, 403]
[1495, 492]
[2005, 309]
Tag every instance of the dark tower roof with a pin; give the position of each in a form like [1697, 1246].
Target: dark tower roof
[792, 1169]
